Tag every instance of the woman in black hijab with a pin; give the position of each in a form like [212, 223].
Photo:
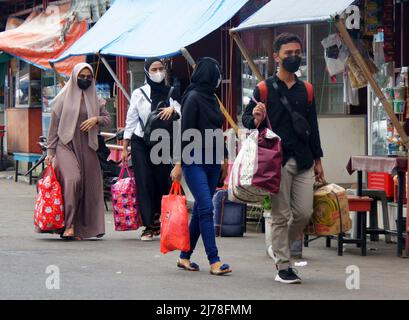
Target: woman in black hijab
[152, 179]
[202, 168]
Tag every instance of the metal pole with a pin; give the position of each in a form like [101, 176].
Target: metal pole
[400, 227]
[2, 167]
[359, 214]
[113, 75]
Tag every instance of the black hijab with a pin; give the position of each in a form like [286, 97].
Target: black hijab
[204, 77]
[159, 91]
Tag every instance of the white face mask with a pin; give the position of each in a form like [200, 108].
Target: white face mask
[157, 76]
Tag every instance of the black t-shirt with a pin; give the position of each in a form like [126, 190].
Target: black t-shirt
[304, 153]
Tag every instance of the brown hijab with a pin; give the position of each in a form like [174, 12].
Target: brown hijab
[66, 106]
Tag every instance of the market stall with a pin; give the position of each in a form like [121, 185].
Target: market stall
[363, 55]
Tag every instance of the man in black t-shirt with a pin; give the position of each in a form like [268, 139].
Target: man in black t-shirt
[292, 206]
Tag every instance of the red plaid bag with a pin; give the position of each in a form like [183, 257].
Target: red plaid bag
[126, 211]
[49, 208]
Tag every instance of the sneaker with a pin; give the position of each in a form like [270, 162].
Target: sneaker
[156, 231]
[287, 276]
[147, 235]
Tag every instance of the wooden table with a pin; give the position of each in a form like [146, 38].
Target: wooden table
[398, 165]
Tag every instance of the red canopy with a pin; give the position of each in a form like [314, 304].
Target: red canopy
[45, 36]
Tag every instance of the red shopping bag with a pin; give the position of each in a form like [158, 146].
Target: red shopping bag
[174, 221]
[126, 211]
[49, 208]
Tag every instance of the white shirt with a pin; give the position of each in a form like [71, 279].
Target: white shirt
[141, 107]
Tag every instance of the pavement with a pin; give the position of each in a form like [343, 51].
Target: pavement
[120, 266]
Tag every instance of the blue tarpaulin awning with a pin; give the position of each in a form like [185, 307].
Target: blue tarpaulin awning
[278, 12]
[142, 29]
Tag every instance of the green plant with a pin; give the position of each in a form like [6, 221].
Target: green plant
[267, 203]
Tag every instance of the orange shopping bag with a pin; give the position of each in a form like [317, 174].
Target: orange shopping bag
[174, 221]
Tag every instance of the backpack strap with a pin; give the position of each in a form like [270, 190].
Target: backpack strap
[310, 92]
[262, 87]
[145, 95]
[263, 90]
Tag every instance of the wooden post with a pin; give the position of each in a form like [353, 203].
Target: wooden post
[368, 76]
[246, 55]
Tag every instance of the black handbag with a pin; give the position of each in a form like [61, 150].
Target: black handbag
[154, 122]
[301, 126]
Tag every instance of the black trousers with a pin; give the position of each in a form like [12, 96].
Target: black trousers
[152, 181]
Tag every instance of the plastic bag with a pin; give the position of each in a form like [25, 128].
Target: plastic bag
[331, 211]
[126, 211]
[174, 221]
[49, 208]
[256, 171]
[336, 54]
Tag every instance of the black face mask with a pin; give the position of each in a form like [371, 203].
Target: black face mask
[84, 84]
[292, 63]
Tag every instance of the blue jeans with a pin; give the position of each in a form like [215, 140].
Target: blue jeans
[202, 181]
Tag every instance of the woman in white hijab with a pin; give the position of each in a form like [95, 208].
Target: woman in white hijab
[72, 142]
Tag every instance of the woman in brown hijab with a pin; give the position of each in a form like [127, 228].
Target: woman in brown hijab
[72, 141]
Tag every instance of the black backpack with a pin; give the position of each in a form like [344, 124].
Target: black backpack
[154, 122]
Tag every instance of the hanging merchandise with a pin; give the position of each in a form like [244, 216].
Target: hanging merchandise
[351, 95]
[378, 42]
[399, 93]
[388, 93]
[371, 17]
[336, 54]
[355, 72]
[398, 106]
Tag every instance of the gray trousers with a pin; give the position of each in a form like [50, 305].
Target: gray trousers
[291, 210]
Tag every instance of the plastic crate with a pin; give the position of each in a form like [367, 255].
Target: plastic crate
[381, 181]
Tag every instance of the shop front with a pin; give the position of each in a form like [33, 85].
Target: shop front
[343, 108]
[360, 77]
